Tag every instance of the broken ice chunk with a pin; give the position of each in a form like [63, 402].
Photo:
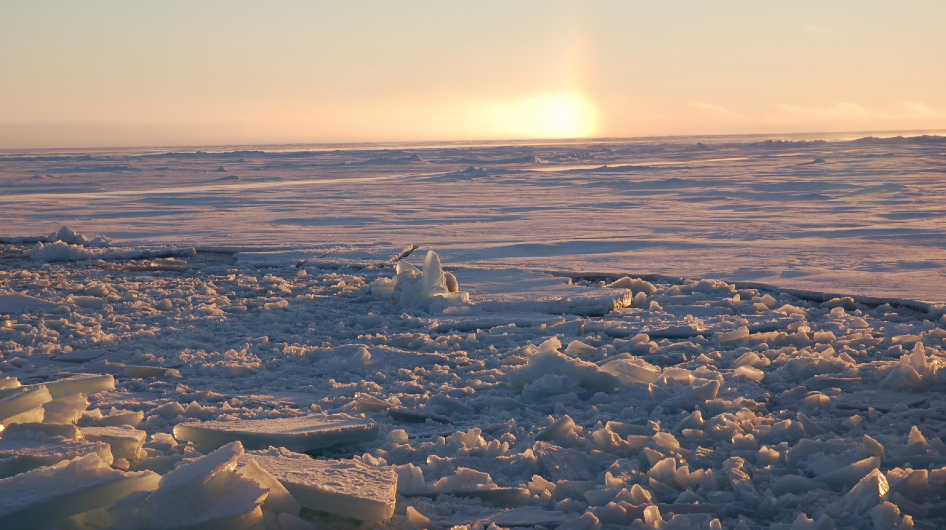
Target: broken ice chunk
[125, 441]
[301, 434]
[557, 430]
[37, 498]
[203, 493]
[65, 409]
[342, 487]
[279, 499]
[869, 492]
[849, 475]
[95, 418]
[23, 401]
[25, 451]
[62, 430]
[632, 370]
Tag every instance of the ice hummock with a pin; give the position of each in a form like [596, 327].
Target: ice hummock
[348, 488]
[39, 498]
[304, 433]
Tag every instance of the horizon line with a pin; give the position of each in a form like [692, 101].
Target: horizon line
[427, 144]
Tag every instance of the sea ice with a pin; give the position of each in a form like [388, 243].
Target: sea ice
[38, 498]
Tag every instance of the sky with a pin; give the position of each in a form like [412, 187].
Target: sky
[214, 72]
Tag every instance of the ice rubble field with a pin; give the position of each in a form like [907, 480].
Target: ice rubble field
[167, 376]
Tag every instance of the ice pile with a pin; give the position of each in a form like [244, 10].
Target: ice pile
[433, 288]
[68, 245]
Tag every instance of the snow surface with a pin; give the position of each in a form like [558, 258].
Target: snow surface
[508, 378]
[865, 221]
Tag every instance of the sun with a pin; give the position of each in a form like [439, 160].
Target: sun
[562, 115]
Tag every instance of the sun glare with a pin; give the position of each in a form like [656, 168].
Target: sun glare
[565, 115]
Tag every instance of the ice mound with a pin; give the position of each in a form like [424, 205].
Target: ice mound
[432, 289]
[40, 497]
[24, 451]
[349, 488]
[548, 369]
[306, 433]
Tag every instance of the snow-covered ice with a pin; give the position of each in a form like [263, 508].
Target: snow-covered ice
[722, 339]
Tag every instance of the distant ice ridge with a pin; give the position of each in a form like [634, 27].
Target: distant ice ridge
[433, 288]
[70, 236]
[68, 245]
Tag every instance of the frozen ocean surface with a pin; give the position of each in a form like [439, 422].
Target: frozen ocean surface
[595, 336]
[863, 216]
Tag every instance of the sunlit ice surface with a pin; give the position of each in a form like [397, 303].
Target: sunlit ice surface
[859, 216]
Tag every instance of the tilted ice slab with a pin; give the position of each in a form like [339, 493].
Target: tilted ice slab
[37, 498]
[26, 451]
[342, 487]
[204, 493]
[305, 433]
[22, 399]
[80, 384]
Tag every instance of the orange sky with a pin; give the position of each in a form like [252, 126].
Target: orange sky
[87, 74]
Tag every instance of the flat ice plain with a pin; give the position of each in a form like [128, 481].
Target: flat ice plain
[651, 334]
[860, 217]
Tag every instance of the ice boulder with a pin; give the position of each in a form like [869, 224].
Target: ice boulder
[305, 433]
[349, 488]
[40, 497]
[432, 288]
